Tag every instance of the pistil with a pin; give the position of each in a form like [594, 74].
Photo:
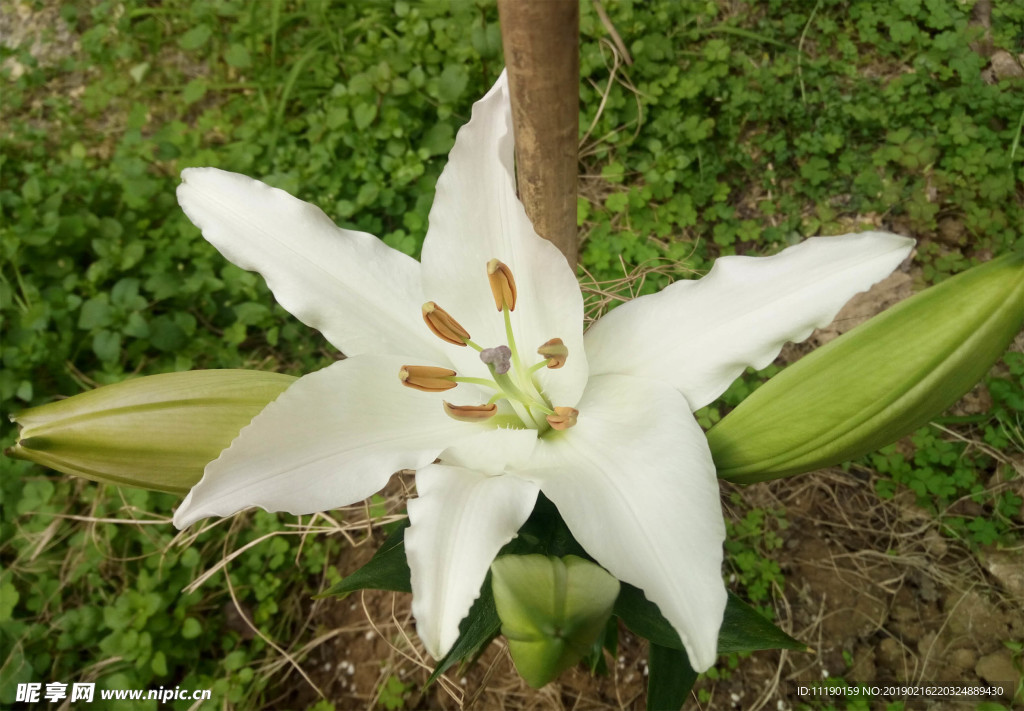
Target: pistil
[498, 357]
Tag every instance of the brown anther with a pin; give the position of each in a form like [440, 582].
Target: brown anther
[427, 378]
[470, 413]
[443, 325]
[555, 351]
[563, 419]
[503, 286]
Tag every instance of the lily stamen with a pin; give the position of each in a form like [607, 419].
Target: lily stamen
[470, 413]
[563, 419]
[503, 286]
[428, 378]
[441, 323]
[511, 381]
[555, 352]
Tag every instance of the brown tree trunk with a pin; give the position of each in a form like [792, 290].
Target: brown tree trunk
[541, 42]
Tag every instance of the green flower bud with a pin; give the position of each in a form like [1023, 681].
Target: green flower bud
[552, 611]
[157, 432]
[877, 383]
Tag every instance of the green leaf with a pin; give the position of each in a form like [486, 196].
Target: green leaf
[238, 56]
[877, 383]
[95, 313]
[195, 38]
[106, 345]
[669, 678]
[190, 628]
[159, 664]
[364, 114]
[439, 139]
[387, 570]
[452, 83]
[552, 610]
[743, 629]
[166, 335]
[8, 600]
[194, 91]
[617, 202]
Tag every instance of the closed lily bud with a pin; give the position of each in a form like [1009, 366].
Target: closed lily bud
[552, 610]
[876, 383]
[158, 432]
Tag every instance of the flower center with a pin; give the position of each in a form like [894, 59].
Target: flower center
[518, 400]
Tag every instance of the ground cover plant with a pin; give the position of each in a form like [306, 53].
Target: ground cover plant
[741, 128]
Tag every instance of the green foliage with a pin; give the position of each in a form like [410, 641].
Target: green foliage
[353, 106]
[77, 595]
[393, 693]
[749, 543]
[957, 478]
[754, 128]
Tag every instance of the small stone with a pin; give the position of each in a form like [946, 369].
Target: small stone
[1006, 66]
[1008, 568]
[926, 644]
[890, 653]
[997, 668]
[952, 230]
[964, 658]
[863, 667]
[902, 613]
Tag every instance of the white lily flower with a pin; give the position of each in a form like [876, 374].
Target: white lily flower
[602, 423]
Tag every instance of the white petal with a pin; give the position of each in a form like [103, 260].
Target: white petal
[700, 335]
[477, 217]
[460, 521]
[362, 295]
[492, 452]
[331, 439]
[635, 484]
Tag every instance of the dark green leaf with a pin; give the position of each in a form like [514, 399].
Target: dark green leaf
[387, 570]
[669, 678]
[166, 335]
[743, 629]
